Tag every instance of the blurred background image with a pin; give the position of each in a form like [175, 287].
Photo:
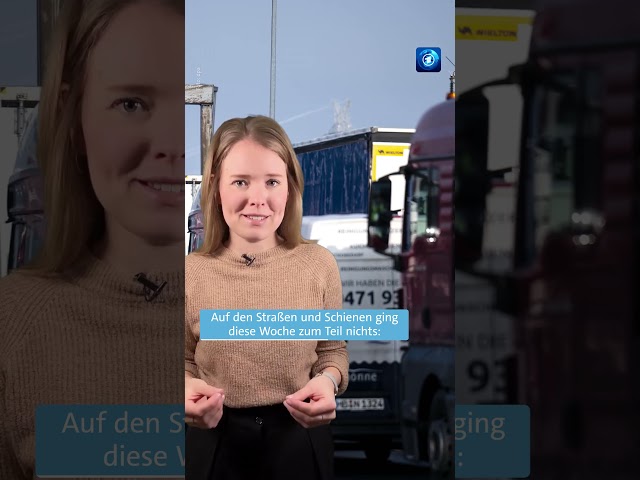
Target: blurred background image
[91, 238]
[546, 227]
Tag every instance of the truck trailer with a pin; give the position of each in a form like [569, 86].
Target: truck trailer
[339, 168]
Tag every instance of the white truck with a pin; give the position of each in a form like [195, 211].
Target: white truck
[368, 413]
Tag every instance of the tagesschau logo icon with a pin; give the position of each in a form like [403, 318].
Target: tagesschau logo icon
[428, 59]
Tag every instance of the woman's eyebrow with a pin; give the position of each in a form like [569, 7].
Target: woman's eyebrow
[133, 88]
[248, 175]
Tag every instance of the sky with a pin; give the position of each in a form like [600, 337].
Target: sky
[18, 43]
[361, 51]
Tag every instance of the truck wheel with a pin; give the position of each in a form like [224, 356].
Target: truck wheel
[377, 451]
[440, 447]
[440, 436]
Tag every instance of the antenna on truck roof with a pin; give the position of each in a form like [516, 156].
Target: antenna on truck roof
[452, 82]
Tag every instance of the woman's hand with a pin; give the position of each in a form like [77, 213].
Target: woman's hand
[202, 403]
[322, 406]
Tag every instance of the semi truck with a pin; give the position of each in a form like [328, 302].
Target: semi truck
[426, 266]
[461, 347]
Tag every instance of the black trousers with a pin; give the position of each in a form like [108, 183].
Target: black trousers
[259, 443]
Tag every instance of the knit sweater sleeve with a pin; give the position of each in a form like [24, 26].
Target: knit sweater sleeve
[191, 322]
[13, 328]
[9, 464]
[333, 353]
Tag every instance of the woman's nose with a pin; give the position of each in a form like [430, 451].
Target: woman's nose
[257, 195]
[168, 136]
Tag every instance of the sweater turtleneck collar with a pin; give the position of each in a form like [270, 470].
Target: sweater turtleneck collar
[104, 279]
[253, 259]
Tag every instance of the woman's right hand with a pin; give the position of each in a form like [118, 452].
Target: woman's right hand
[202, 403]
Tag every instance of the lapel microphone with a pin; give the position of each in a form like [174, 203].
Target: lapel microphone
[151, 290]
[247, 259]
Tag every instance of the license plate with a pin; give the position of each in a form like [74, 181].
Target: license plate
[359, 404]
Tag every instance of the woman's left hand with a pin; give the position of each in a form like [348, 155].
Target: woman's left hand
[321, 408]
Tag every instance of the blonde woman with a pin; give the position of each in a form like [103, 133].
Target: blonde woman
[260, 409]
[80, 325]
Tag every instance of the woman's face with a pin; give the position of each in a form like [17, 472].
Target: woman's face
[133, 123]
[253, 192]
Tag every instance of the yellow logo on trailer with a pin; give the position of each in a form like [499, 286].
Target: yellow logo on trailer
[505, 29]
[387, 158]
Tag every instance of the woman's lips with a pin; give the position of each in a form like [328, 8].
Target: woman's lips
[255, 219]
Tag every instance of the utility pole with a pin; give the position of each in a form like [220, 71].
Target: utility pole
[272, 95]
[205, 96]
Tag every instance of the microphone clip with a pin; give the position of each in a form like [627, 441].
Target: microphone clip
[248, 259]
[151, 290]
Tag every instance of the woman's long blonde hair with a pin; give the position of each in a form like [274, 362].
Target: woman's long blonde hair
[74, 216]
[268, 133]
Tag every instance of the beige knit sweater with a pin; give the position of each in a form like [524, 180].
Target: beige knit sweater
[89, 339]
[257, 373]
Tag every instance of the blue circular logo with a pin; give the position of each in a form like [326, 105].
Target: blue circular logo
[429, 59]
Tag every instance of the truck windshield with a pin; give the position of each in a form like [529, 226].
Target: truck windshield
[564, 155]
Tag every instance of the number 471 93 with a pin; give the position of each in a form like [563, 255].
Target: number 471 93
[360, 297]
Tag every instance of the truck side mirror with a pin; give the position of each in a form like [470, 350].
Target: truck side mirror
[380, 215]
[483, 202]
[472, 144]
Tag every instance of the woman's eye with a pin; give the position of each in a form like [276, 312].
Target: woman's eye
[130, 105]
[273, 183]
[239, 183]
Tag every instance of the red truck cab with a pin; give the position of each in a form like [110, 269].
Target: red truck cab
[426, 265]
